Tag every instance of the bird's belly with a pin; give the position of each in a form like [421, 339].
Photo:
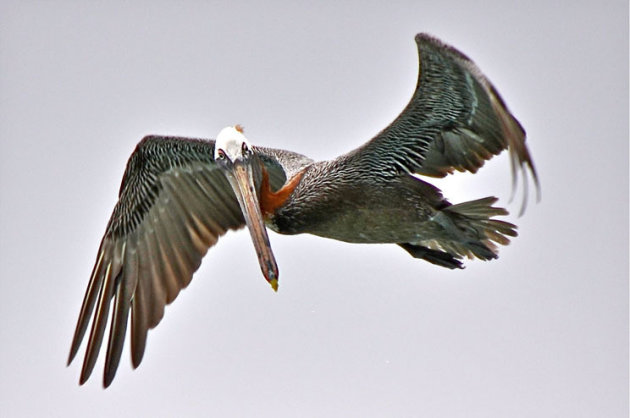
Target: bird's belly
[368, 226]
[362, 225]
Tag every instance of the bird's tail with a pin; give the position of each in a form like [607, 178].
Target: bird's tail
[472, 230]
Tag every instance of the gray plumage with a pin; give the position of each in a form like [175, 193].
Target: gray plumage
[175, 200]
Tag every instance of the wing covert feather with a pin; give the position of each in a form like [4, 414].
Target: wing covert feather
[173, 205]
[456, 120]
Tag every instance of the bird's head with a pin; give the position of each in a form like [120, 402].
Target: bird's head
[235, 157]
[231, 145]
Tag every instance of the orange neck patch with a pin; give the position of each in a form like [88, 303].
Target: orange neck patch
[272, 201]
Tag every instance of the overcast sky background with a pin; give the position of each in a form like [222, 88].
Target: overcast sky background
[354, 330]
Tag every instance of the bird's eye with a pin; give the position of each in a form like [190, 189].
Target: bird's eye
[245, 148]
[221, 154]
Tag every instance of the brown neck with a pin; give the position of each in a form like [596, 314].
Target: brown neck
[272, 201]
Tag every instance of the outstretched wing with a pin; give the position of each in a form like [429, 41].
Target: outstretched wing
[455, 120]
[173, 205]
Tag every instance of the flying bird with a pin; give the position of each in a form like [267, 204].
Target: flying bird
[179, 195]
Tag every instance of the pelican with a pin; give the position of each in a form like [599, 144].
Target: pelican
[179, 195]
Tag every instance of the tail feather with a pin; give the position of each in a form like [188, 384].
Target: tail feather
[478, 209]
[470, 230]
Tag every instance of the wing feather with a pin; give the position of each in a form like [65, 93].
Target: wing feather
[173, 205]
[139, 304]
[456, 120]
[126, 287]
[98, 325]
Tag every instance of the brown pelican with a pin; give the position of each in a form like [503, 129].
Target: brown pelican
[179, 195]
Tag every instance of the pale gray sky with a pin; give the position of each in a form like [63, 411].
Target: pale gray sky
[355, 330]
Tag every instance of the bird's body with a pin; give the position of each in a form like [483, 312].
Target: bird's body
[179, 195]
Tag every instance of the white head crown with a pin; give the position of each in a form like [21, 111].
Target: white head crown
[230, 140]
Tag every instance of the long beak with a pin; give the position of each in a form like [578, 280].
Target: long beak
[242, 181]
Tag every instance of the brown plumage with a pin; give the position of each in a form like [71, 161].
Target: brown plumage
[179, 195]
